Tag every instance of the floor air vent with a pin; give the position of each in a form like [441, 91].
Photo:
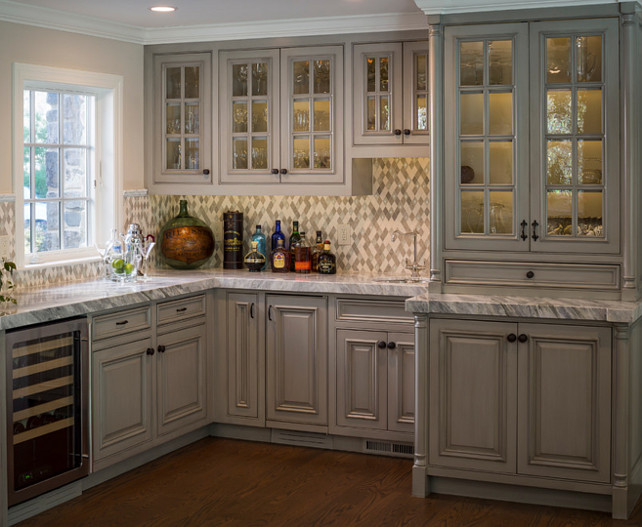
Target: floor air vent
[309, 439]
[388, 448]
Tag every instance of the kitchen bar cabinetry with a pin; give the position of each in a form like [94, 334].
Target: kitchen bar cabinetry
[391, 95]
[183, 110]
[150, 379]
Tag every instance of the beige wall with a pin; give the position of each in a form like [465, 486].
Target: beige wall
[34, 45]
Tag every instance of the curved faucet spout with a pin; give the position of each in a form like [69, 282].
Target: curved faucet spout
[415, 267]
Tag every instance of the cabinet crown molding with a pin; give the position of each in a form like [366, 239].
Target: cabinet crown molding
[446, 7]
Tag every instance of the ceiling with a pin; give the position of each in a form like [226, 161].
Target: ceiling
[197, 12]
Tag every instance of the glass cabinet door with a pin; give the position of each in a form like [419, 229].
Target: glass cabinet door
[577, 137]
[185, 118]
[249, 117]
[486, 118]
[416, 116]
[311, 118]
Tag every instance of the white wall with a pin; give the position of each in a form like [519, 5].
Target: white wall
[34, 45]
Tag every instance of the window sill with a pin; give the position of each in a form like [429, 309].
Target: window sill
[59, 263]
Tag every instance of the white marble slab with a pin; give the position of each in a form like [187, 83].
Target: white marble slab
[82, 298]
[527, 307]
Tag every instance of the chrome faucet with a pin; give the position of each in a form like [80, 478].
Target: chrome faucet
[415, 266]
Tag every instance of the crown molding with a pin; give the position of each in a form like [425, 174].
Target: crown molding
[446, 7]
[44, 17]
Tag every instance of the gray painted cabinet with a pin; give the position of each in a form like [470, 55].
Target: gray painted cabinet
[525, 398]
[297, 360]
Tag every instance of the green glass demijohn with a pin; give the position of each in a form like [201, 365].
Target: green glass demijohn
[186, 242]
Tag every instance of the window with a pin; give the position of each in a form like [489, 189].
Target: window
[59, 141]
[67, 171]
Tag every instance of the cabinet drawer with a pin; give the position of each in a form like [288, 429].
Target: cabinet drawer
[533, 274]
[176, 310]
[372, 310]
[104, 326]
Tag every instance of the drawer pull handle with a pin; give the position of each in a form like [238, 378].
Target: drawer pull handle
[270, 313]
[511, 337]
[523, 235]
[534, 235]
[122, 322]
[381, 344]
[161, 348]
[522, 338]
[392, 345]
[150, 351]
[530, 274]
[252, 310]
[181, 309]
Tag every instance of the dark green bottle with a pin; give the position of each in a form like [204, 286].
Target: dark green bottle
[294, 238]
[186, 242]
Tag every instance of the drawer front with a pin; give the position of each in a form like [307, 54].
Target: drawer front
[114, 324]
[372, 310]
[177, 310]
[524, 274]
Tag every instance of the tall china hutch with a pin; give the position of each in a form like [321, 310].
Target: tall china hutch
[530, 385]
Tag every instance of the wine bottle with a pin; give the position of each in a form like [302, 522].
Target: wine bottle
[277, 235]
[316, 251]
[294, 237]
[302, 256]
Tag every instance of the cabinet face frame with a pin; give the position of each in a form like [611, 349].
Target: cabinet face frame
[161, 173]
[454, 239]
[228, 59]
[608, 29]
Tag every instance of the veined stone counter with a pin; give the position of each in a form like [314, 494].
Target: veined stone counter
[526, 307]
[81, 298]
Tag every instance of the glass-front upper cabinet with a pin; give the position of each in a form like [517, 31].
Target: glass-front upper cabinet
[575, 152]
[486, 127]
[183, 106]
[282, 116]
[531, 128]
[391, 93]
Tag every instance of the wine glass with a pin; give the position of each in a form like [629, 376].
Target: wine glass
[103, 252]
[147, 250]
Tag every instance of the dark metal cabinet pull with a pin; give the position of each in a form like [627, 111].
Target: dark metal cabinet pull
[530, 274]
[522, 338]
[523, 235]
[284, 171]
[150, 351]
[270, 313]
[275, 171]
[392, 345]
[381, 344]
[252, 310]
[406, 132]
[122, 322]
[397, 132]
[181, 309]
[511, 337]
[161, 348]
[206, 171]
[534, 235]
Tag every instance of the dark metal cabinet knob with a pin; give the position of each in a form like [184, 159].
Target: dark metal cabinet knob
[397, 132]
[381, 344]
[406, 132]
[522, 338]
[275, 171]
[511, 337]
[530, 274]
[161, 348]
[284, 171]
[392, 345]
[150, 351]
[206, 171]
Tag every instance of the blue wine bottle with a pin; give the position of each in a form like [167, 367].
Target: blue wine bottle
[259, 238]
[277, 235]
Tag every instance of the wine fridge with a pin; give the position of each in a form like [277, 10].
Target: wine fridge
[47, 407]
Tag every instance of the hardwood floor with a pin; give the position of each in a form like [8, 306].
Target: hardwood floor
[223, 482]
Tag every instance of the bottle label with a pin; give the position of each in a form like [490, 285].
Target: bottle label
[278, 262]
[327, 267]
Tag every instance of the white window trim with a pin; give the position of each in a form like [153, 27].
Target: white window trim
[108, 90]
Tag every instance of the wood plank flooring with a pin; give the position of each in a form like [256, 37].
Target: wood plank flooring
[224, 482]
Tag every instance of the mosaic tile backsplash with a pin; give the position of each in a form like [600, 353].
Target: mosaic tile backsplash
[400, 200]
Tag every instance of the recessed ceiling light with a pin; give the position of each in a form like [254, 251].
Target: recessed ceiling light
[162, 9]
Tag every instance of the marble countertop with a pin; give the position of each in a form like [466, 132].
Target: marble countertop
[527, 307]
[81, 298]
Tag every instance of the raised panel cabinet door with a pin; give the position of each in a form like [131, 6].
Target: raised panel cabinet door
[378, 94]
[473, 376]
[242, 333]
[401, 382]
[362, 379]
[181, 363]
[565, 402]
[122, 398]
[297, 358]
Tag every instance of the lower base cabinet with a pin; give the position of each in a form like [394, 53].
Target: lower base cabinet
[148, 386]
[521, 398]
